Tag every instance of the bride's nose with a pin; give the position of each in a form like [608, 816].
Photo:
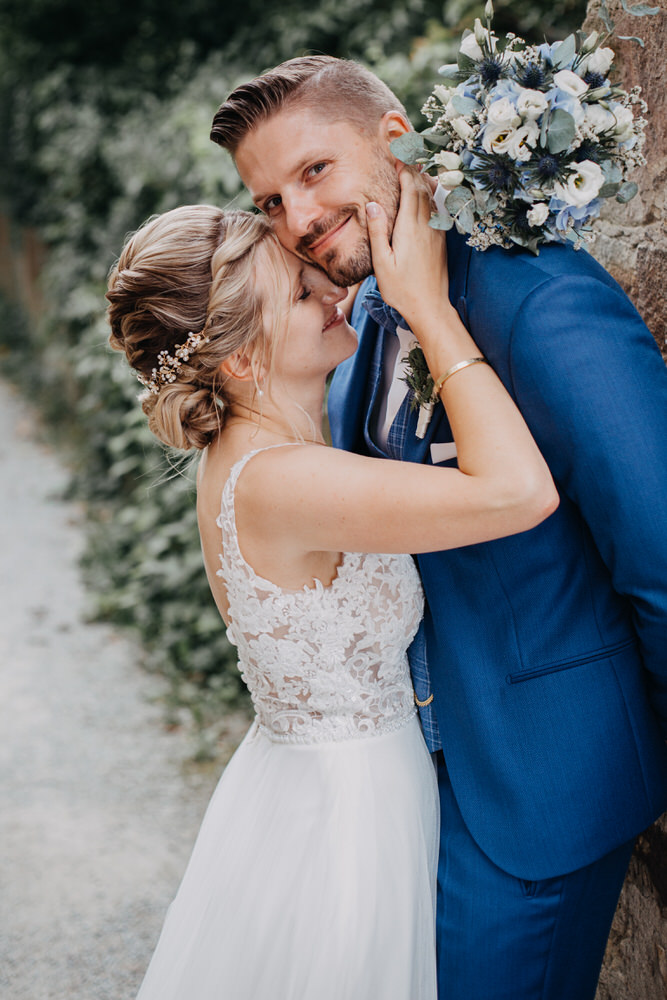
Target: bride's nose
[328, 293]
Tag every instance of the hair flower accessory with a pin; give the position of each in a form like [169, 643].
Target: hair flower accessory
[527, 140]
[169, 365]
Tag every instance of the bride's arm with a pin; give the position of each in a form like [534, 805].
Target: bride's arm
[325, 499]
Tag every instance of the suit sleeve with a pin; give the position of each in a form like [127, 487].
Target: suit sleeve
[587, 370]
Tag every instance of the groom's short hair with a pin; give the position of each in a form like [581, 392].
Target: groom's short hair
[337, 89]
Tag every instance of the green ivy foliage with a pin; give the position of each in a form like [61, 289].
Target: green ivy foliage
[114, 129]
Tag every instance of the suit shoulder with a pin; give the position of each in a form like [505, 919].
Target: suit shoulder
[519, 272]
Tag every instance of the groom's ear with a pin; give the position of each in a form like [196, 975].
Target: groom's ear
[393, 124]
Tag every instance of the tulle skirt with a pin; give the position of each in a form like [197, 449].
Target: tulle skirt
[313, 877]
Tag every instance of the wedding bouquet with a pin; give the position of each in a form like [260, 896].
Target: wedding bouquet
[527, 140]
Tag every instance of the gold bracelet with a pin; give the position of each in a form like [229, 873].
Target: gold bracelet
[454, 369]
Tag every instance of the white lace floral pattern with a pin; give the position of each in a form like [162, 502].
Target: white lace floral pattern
[323, 663]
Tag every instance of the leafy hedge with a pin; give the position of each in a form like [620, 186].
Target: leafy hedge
[90, 156]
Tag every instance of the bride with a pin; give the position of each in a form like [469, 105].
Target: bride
[314, 873]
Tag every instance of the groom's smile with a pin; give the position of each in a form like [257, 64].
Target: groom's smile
[321, 244]
[313, 178]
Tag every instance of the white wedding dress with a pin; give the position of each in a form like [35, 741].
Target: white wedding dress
[313, 876]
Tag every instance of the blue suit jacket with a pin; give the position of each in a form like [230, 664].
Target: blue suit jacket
[547, 650]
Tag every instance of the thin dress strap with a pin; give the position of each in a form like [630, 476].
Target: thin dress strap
[232, 560]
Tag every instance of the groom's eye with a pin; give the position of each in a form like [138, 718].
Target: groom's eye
[317, 168]
[272, 203]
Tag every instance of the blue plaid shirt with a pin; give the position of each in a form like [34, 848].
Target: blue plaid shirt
[388, 319]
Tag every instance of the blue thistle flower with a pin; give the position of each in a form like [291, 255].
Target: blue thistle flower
[594, 80]
[490, 70]
[495, 173]
[532, 76]
[589, 150]
[547, 166]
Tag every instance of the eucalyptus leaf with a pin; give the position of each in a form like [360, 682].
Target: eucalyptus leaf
[561, 131]
[482, 199]
[409, 147]
[464, 105]
[544, 128]
[436, 139]
[639, 9]
[565, 52]
[609, 190]
[627, 192]
[466, 64]
[465, 219]
[612, 172]
[457, 199]
[631, 38]
[441, 220]
[605, 17]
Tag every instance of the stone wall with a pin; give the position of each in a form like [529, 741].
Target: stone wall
[632, 239]
[632, 245]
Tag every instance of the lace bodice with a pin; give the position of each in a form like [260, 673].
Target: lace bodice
[322, 663]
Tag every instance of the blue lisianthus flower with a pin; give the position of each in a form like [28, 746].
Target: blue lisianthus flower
[579, 214]
[560, 99]
[507, 88]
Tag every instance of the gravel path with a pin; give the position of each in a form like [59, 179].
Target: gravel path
[99, 805]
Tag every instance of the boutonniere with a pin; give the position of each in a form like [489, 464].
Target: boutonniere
[420, 381]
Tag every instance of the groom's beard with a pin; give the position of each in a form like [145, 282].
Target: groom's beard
[357, 263]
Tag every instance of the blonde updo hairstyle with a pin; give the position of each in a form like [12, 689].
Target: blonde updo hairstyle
[190, 270]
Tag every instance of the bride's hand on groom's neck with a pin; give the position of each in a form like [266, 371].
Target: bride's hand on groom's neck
[410, 264]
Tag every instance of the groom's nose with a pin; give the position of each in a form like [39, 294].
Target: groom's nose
[300, 212]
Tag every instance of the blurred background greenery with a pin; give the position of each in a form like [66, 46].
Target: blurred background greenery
[105, 110]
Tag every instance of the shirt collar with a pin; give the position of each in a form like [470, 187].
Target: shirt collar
[378, 310]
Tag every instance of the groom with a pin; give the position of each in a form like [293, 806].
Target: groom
[546, 689]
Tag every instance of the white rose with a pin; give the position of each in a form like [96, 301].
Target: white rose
[570, 83]
[598, 62]
[450, 179]
[462, 128]
[582, 185]
[599, 119]
[623, 129]
[538, 214]
[470, 48]
[531, 104]
[450, 161]
[503, 113]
